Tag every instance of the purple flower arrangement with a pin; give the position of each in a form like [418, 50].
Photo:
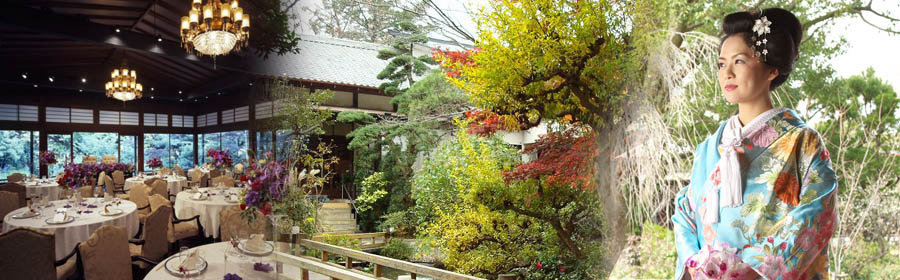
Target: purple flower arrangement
[232, 276]
[267, 185]
[47, 158]
[220, 159]
[154, 163]
[77, 175]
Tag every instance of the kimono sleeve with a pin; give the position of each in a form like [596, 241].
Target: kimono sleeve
[687, 241]
[795, 245]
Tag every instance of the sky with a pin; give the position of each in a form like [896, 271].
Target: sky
[867, 46]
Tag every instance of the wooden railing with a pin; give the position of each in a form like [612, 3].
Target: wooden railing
[347, 272]
[372, 237]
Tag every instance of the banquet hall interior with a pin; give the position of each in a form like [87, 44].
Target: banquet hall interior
[125, 147]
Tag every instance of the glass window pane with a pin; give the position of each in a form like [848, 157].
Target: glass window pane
[263, 143]
[128, 149]
[210, 141]
[182, 146]
[156, 146]
[237, 142]
[35, 152]
[96, 144]
[284, 139]
[15, 152]
[59, 144]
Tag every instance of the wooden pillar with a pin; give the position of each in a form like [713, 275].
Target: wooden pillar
[324, 256]
[304, 274]
[42, 112]
[412, 276]
[196, 151]
[349, 264]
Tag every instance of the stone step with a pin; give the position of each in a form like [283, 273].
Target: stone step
[336, 205]
[339, 228]
[345, 216]
[338, 222]
[334, 211]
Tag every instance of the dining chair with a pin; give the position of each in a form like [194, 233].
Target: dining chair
[153, 245]
[9, 201]
[119, 180]
[160, 187]
[105, 254]
[19, 189]
[179, 229]
[30, 254]
[15, 178]
[231, 216]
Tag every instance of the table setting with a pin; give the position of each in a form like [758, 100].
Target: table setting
[35, 187]
[73, 220]
[207, 203]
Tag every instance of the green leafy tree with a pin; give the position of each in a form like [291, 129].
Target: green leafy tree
[299, 113]
[391, 144]
[403, 65]
[354, 20]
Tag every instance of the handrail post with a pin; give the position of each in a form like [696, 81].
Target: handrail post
[349, 264]
[378, 270]
[304, 274]
[412, 276]
[324, 256]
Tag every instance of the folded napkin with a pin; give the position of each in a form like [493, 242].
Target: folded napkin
[60, 216]
[192, 262]
[256, 243]
[106, 209]
[195, 189]
[199, 195]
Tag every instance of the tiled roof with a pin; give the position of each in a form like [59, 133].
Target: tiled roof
[328, 60]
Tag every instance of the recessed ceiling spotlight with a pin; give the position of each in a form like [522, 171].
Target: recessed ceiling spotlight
[159, 38]
[152, 89]
[35, 85]
[118, 30]
[50, 78]
[179, 92]
[251, 84]
[83, 80]
[24, 75]
[151, 97]
[80, 90]
[220, 93]
[180, 100]
[207, 97]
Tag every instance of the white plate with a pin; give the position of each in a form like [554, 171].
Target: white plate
[69, 219]
[243, 243]
[201, 199]
[25, 215]
[174, 262]
[112, 212]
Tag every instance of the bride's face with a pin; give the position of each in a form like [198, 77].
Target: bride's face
[743, 77]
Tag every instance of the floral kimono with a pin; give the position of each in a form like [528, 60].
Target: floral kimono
[786, 214]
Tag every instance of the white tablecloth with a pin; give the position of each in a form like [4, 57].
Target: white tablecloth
[239, 264]
[186, 207]
[42, 188]
[67, 235]
[175, 183]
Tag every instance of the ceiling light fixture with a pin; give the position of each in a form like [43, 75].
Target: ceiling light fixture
[50, 78]
[123, 85]
[215, 28]
[25, 76]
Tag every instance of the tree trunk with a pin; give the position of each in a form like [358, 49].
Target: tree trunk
[611, 144]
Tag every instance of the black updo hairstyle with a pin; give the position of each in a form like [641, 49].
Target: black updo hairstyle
[782, 42]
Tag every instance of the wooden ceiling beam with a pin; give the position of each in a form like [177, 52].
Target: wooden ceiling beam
[76, 29]
[89, 6]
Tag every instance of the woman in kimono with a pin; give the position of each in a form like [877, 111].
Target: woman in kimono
[761, 200]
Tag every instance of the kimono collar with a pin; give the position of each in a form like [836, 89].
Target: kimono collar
[731, 187]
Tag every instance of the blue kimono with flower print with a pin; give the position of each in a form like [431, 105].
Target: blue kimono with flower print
[787, 217]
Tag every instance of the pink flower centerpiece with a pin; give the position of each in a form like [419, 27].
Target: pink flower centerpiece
[154, 163]
[48, 158]
[220, 159]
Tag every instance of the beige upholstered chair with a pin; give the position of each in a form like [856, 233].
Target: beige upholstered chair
[195, 178]
[105, 254]
[178, 171]
[179, 229]
[18, 189]
[232, 216]
[225, 180]
[86, 191]
[150, 181]
[153, 245]
[9, 201]
[160, 187]
[30, 254]
[100, 178]
[15, 178]
[140, 195]
[119, 180]
[204, 180]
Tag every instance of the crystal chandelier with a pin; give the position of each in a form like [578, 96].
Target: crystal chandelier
[123, 85]
[223, 27]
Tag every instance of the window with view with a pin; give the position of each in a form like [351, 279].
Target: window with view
[18, 152]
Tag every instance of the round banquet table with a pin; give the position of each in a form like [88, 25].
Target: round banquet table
[174, 183]
[238, 263]
[42, 187]
[208, 209]
[70, 234]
